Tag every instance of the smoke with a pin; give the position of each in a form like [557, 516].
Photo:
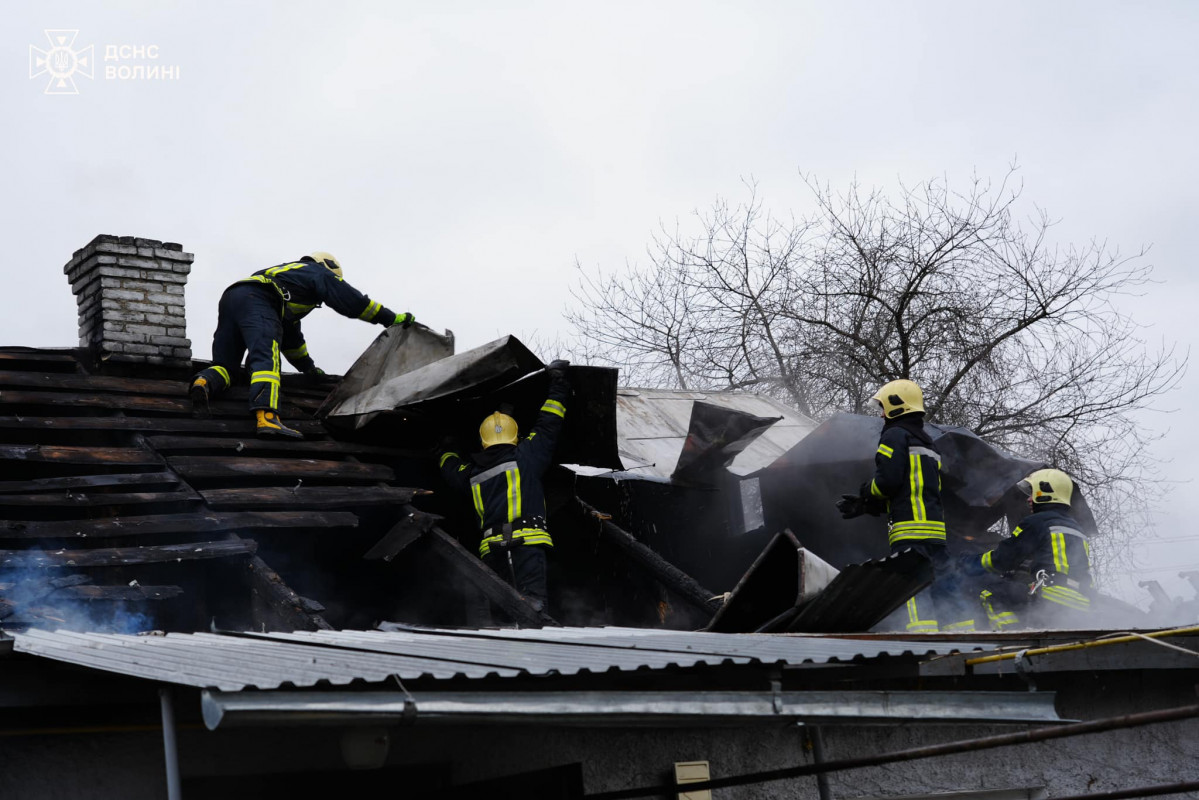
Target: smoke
[34, 598]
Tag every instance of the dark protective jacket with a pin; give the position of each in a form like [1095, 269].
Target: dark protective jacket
[304, 285]
[504, 481]
[907, 474]
[1049, 540]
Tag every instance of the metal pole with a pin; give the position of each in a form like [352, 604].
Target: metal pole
[949, 748]
[169, 745]
[818, 756]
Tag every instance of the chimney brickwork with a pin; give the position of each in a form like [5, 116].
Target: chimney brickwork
[130, 295]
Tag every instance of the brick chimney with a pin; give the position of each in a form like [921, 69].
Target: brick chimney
[130, 294]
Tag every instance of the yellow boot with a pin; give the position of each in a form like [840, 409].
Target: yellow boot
[199, 397]
[269, 425]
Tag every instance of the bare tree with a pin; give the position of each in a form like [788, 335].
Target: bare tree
[1010, 335]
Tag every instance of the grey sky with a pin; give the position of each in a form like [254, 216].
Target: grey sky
[458, 158]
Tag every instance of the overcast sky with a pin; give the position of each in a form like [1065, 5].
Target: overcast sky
[459, 158]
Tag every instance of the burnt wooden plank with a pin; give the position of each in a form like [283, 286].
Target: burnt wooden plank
[116, 593]
[472, 569]
[91, 481]
[189, 522]
[666, 573]
[244, 426]
[283, 468]
[414, 525]
[292, 611]
[304, 497]
[80, 499]
[66, 454]
[49, 355]
[136, 402]
[118, 556]
[96, 400]
[92, 383]
[248, 444]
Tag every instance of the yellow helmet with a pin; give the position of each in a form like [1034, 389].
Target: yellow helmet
[1048, 486]
[499, 428]
[898, 398]
[328, 260]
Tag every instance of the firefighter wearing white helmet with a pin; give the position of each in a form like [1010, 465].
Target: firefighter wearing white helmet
[504, 484]
[259, 319]
[1048, 552]
[907, 485]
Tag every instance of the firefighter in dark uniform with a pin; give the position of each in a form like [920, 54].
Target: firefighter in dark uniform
[259, 318]
[907, 485]
[1049, 546]
[504, 482]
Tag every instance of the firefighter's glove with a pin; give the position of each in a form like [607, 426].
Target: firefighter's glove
[850, 506]
[403, 320]
[314, 375]
[557, 373]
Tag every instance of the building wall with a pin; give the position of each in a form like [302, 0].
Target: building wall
[223, 763]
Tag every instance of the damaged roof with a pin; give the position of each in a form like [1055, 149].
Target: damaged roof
[233, 662]
[652, 425]
[111, 489]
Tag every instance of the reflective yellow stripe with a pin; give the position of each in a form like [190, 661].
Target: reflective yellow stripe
[275, 367]
[224, 373]
[918, 510]
[1065, 596]
[477, 495]
[446, 458]
[297, 352]
[1058, 543]
[524, 535]
[300, 309]
[923, 529]
[917, 625]
[965, 626]
[554, 407]
[273, 271]
[886, 451]
[513, 478]
[368, 313]
[998, 619]
[875, 491]
[987, 563]
[264, 377]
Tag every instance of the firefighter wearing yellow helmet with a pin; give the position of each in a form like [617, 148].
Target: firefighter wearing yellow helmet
[259, 319]
[907, 485]
[504, 484]
[1048, 553]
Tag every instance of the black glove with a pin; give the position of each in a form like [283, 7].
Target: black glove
[557, 373]
[314, 375]
[850, 506]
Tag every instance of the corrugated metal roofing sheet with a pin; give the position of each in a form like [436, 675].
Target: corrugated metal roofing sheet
[652, 426]
[232, 662]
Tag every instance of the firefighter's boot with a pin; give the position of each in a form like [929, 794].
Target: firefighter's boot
[199, 397]
[270, 426]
